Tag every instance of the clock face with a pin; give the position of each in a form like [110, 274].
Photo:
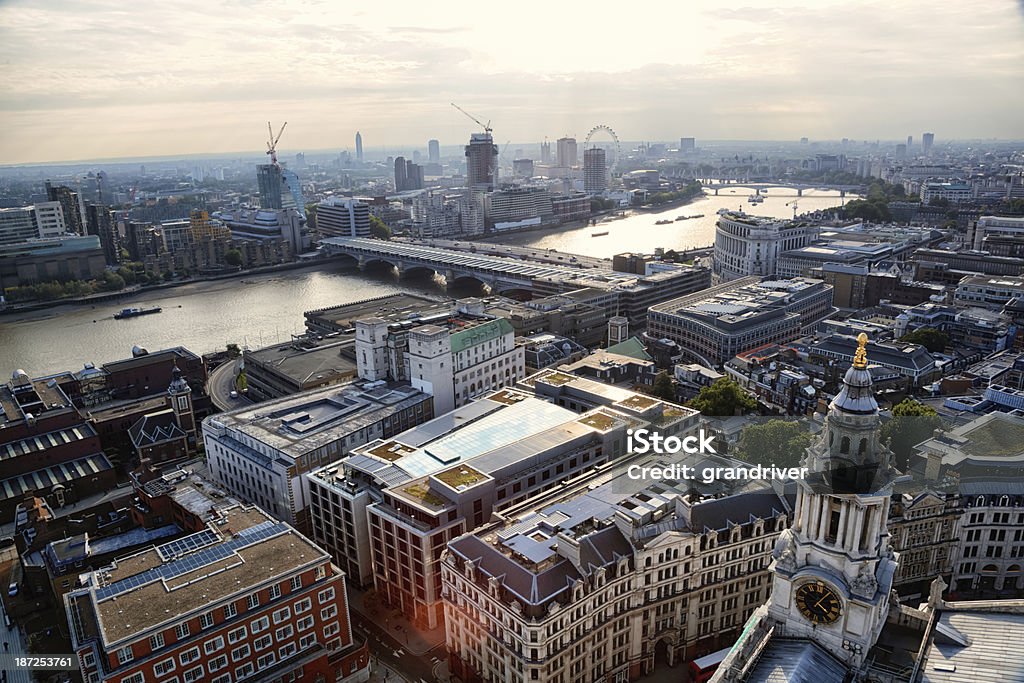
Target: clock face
[818, 603]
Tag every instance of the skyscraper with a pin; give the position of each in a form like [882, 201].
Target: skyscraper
[566, 152]
[359, 146]
[687, 145]
[595, 176]
[910, 142]
[481, 162]
[280, 188]
[927, 140]
[100, 222]
[401, 179]
[69, 204]
[433, 151]
[545, 152]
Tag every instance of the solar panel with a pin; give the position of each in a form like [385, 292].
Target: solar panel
[194, 560]
[182, 546]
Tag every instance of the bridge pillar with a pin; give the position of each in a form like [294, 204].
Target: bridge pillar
[716, 191]
[842, 194]
[361, 263]
[800, 192]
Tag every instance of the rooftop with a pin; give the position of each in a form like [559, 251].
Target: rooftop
[307, 361]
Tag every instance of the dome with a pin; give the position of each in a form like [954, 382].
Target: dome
[856, 395]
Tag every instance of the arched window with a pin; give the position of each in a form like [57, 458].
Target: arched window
[844, 445]
[863, 448]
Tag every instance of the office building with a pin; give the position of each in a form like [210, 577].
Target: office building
[610, 577]
[359, 147]
[687, 145]
[910, 361]
[71, 206]
[927, 140]
[988, 228]
[988, 292]
[545, 152]
[408, 176]
[341, 217]
[433, 151]
[301, 364]
[401, 179]
[99, 221]
[481, 162]
[565, 152]
[595, 173]
[45, 260]
[522, 168]
[750, 245]
[259, 453]
[716, 324]
[280, 188]
[285, 225]
[387, 510]
[245, 597]
[954, 192]
[448, 213]
[38, 221]
[49, 218]
[517, 207]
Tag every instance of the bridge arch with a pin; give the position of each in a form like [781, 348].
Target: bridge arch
[377, 263]
[418, 271]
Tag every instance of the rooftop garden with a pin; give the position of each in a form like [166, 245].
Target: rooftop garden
[996, 438]
[506, 397]
[598, 421]
[638, 402]
[390, 451]
[557, 378]
[420, 492]
[460, 476]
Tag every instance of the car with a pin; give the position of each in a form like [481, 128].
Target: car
[233, 394]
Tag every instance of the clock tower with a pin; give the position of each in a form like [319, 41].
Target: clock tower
[833, 568]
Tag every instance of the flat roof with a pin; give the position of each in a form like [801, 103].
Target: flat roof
[393, 307]
[304, 361]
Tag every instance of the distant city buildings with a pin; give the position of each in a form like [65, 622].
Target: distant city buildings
[687, 145]
[927, 141]
[433, 151]
[482, 162]
[595, 172]
[337, 217]
[565, 152]
[359, 147]
[408, 175]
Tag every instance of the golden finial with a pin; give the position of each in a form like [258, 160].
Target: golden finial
[860, 358]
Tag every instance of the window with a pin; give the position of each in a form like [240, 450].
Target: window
[254, 600]
[206, 620]
[332, 629]
[195, 674]
[305, 622]
[217, 663]
[275, 591]
[296, 583]
[262, 643]
[164, 667]
[284, 632]
[328, 612]
[261, 624]
[181, 631]
[89, 659]
[156, 642]
[124, 655]
[189, 656]
[223, 678]
[303, 605]
[243, 671]
[240, 653]
[213, 645]
[265, 661]
[307, 640]
[136, 677]
[282, 615]
[325, 595]
[230, 611]
[286, 651]
[321, 572]
[236, 635]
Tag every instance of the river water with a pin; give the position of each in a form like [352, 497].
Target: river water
[260, 310]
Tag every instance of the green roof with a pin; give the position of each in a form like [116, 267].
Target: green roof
[492, 329]
[632, 348]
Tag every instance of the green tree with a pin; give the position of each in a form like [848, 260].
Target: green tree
[775, 442]
[111, 282]
[912, 422]
[379, 229]
[723, 398]
[233, 350]
[664, 387]
[233, 257]
[932, 339]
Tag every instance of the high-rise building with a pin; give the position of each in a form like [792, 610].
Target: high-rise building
[566, 152]
[522, 168]
[413, 176]
[545, 152]
[687, 145]
[337, 217]
[280, 188]
[595, 172]
[400, 174]
[70, 204]
[481, 162]
[100, 222]
[359, 147]
[433, 151]
[927, 140]
[910, 142]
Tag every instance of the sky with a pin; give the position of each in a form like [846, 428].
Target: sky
[91, 79]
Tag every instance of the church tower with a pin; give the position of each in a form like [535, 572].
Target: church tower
[833, 569]
[180, 394]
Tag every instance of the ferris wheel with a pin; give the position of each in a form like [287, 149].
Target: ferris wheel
[611, 148]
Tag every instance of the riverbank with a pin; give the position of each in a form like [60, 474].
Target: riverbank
[48, 309]
[54, 309]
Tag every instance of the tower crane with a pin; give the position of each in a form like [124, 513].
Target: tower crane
[485, 126]
[794, 204]
[272, 142]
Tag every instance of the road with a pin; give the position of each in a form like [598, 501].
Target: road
[221, 383]
[387, 650]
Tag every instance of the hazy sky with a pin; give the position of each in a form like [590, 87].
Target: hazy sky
[91, 79]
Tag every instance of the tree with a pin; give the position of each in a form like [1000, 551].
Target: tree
[233, 257]
[912, 422]
[932, 339]
[776, 442]
[234, 351]
[379, 229]
[664, 387]
[111, 282]
[724, 398]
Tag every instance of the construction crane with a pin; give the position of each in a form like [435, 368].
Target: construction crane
[272, 142]
[485, 126]
[794, 204]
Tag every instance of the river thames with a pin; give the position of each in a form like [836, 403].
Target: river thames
[262, 309]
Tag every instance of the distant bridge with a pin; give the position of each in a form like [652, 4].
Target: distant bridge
[500, 273]
[799, 187]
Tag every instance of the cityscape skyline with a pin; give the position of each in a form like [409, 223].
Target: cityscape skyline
[764, 72]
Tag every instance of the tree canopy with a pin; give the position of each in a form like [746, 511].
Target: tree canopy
[776, 442]
[664, 387]
[723, 398]
[912, 422]
[379, 229]
[932, 339]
